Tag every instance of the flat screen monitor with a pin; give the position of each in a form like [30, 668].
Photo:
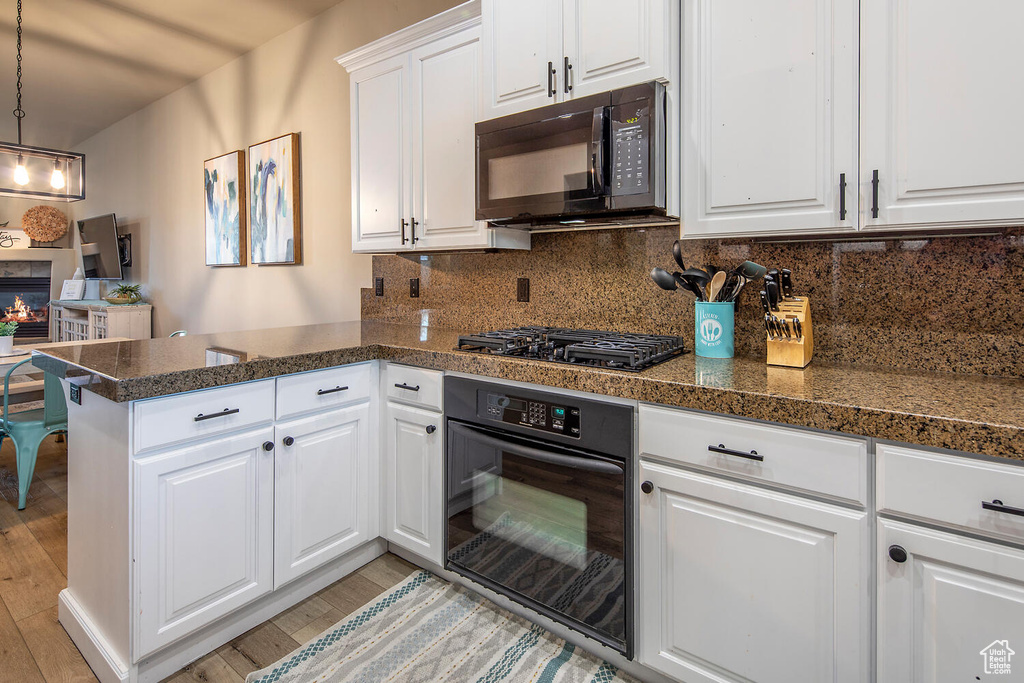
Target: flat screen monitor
[100, 254]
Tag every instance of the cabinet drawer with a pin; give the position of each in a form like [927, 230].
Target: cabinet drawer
[830, 465]
[309, 391]
[414, 386]
[201, 414]
[950, 490]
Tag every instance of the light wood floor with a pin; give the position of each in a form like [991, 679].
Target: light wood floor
[33, 568]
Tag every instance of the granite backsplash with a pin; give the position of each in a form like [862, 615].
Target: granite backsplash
[948, 304]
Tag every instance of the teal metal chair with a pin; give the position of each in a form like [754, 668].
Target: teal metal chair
[28, 428]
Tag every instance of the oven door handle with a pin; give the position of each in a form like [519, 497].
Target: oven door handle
[573, 461]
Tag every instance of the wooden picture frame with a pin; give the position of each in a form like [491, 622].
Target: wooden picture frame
[274, 182]
[226, 209]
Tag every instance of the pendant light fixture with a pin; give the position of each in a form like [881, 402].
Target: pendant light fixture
[37, 172]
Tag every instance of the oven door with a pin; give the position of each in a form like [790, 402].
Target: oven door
[545, 525]
[545, 162]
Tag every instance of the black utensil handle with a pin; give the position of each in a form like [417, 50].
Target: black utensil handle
[874, 193]
[842, 196]
[997, 506]
[321, 392]
[720, 448]
[566, 73]
[551, 83]
[224, 413]
[413, 230]
[406, 386]
[405, 224]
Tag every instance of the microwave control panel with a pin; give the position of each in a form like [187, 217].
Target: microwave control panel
[542, 415]
[630, 156]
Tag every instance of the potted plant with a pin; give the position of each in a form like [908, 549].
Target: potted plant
[7, 331]
[125, 294]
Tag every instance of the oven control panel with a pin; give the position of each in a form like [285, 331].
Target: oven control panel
[630, 162]
[556, 418]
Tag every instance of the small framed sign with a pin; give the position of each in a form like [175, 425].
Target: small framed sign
[13, 239]
[73, 290]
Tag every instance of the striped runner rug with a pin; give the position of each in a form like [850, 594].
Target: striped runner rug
[426, 629]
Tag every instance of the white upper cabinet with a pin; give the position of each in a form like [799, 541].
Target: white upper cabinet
[380, 156]
[610, 44]
[941, 101]
[538, 52]
[416, 96]
[522, 54]
[769, 116]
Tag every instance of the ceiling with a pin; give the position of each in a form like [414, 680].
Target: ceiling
[89, 63]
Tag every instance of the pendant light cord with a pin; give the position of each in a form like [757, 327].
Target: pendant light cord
[19, 113]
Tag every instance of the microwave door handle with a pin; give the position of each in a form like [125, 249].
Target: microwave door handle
[573, 461]
[597, 148]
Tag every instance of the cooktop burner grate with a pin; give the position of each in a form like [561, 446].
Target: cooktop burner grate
[614, 350]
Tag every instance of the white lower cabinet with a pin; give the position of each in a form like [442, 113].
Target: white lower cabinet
[739, 583]
[204, 534]
[414, 483]
[949, 608]
[325, 480]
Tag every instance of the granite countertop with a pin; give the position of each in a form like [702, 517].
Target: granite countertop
[970, 413]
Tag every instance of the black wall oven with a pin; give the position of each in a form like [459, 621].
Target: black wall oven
[591, 160]
[540, 505]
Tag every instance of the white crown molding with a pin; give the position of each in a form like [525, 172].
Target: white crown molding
[438, 26]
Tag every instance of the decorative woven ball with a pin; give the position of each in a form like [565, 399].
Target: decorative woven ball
[44, 223]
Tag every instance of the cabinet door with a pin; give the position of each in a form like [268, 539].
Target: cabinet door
[415, 487]
[325, 476]
[940, 112]
[945, 613]
[743, 584]
[521, 38]
[614, 43]
[381, 168]
[204, 538]
[769, 116]
[448, 102]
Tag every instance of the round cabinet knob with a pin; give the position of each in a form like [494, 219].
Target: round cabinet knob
[647, 487]
[288, 441]
[431, 429]
[897, 553]
[268, 445]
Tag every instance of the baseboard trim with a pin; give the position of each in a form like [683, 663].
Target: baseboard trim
[94, 647]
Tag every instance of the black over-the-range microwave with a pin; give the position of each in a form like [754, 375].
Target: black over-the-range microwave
[594, 160]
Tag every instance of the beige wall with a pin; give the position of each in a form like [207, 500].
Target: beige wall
[148, 169]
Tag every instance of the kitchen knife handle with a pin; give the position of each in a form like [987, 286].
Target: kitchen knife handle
[566, 75]
[842, 196]
[551, 81]
[874, 193]
[997, 506]
[720, 448]
[787, 283]
[765, 304]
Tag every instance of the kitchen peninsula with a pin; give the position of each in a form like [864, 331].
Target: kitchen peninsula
[160, 427]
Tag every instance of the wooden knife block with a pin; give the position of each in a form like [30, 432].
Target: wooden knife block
[793, 353]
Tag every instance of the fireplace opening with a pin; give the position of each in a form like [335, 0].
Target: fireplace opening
[25, 300]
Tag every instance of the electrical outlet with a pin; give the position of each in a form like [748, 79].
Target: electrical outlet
[378, 286]
[523, 289]
[414, 287]
[76, 394]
